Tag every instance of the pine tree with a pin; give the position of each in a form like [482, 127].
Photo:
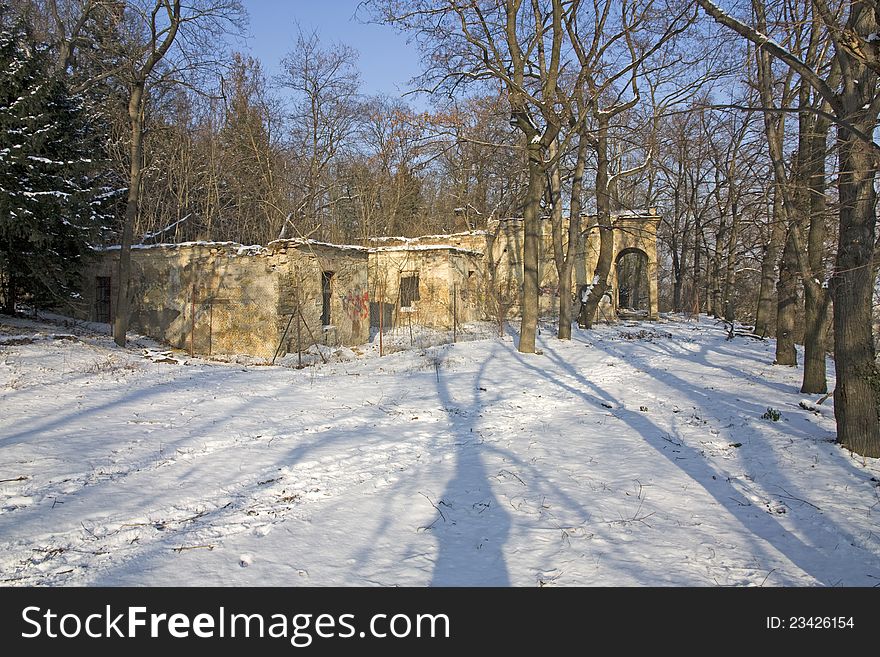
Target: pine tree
[54, 196]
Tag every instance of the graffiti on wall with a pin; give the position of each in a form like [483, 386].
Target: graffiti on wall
[356, 304]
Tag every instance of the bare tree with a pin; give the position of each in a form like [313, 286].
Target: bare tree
[518, 47]
[148, 31]
[325, 84]
[854, 102]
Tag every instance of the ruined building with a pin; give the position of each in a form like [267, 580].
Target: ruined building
[494, 256]
[224, 298]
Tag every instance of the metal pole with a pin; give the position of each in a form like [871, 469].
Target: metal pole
[299, 352]
[211, 328]
[192, 325]
[381, 318]
[454, 312]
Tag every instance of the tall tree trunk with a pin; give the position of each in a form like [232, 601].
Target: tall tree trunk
[715, 281]
[786, 305]
[136, 117]
[695, 304]
[730, 269]
[817, 320]
[531, 247]
[599, 283]
[678, 263]
[572, 251]
[764, 315]
[856, 394]
[817, 299]
[9, 296]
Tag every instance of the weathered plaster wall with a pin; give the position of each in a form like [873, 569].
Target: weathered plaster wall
[223, 298]
[449, 279]
[631, 232]
[299, 265]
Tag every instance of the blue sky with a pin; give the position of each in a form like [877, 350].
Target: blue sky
[386, 61]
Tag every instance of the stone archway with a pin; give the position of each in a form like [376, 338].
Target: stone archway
[636, 234]
[633, 288]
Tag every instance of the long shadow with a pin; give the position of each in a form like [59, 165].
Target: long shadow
[207, 426]
[141, 395]
[472, 532]
[700, 356]
[471, 525]
[713, 481]
[719, 401]
[147, 506]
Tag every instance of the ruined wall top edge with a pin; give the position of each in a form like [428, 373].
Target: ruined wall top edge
[234, 248]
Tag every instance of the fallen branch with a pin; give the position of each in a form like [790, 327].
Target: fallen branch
[21, 478]
[442, 515]
[512, 475]
[89, 531]
[193, 547]
[792, 497]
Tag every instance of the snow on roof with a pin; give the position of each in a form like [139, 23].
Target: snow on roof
[617, 214]
[241, 249]
[424, 247]
[299, 242]
[639, 214]
[410, 240]
[423, 243]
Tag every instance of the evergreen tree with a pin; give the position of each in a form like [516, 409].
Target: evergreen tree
[54, 196]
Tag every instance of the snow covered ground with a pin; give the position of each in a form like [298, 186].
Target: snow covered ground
[636, 454]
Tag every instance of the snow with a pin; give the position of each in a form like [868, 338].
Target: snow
[239, 249]
[587, 289]
[424, 247]
[295, 242]
[429, 238]
[635, 454]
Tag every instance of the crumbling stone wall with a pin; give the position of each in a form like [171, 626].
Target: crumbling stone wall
[632, 232]
[301, 267]
[224, 298]
[448, 281]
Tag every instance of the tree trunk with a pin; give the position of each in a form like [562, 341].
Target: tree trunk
[856, 394]
[590, 306]
[136, 117]
[786, 305]
[715, 283]
[730, 271]
[678, 262]
[531, 246]
[9, 300]
[817, 299]
[764, 314]
[817, 319]
[695, 305]
[572, 250]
